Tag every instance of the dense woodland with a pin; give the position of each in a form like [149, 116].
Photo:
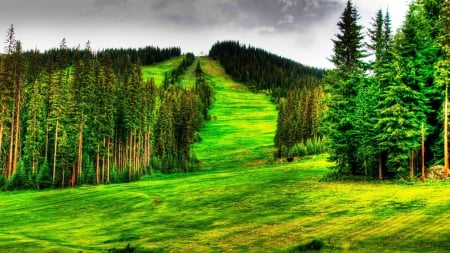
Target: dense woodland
[380, 107]
[72, 116]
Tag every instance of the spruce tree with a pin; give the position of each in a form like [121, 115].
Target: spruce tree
[408, 100]
[342, 84]
[442, 73]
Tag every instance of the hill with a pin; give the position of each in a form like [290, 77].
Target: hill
[239, 202]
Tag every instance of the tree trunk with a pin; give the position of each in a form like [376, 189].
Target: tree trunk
[17, 131]
[130, 157]
[62, 179]
[107, 159]
[55, 152]
[103, 162]
[9, 167]
[80, 154]
[411, 165]
[1, 138]
[422, 177]
[380, 167]
[97, 164]
[445, 175]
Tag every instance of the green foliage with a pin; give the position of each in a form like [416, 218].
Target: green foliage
[21, 179]
[298, 119]
[344, 84]
[44, 177]
[314, 245]
[261, 70]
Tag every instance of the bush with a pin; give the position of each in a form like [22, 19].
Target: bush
[115, 176]
[2, 182]
[21, 179]
[314, 245]
[44, 177]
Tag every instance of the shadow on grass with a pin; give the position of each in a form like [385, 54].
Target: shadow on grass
[131, 249]
[313, 246]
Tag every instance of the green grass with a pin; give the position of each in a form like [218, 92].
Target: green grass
[239, 202]
[158, 71]
[243, 123]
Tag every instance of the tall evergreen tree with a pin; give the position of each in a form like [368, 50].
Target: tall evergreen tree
[408, 101]
[442, 73]
[342, 84]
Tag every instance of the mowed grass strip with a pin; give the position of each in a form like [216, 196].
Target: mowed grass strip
[242, 125]
[159, 70]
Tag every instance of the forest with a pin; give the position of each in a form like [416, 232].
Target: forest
[378, 110]
[71, 116]
[386, 113]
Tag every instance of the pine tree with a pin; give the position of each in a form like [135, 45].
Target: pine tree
[342, 84]
[380, 46]
[416, 96]
[442, 73]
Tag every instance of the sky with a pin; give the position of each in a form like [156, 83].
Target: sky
[301, 30]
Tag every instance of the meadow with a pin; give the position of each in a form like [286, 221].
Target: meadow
[239, 200]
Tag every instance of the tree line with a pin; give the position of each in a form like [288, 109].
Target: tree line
[382, 108]
[72, 116]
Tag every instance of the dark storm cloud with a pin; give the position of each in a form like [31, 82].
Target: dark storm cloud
[272, 15]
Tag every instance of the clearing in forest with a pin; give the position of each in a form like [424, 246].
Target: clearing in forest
[242, 125]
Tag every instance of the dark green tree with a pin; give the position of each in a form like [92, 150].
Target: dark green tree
[343, 84]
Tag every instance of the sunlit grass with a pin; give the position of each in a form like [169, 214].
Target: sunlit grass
[243, 123]
[159, 70]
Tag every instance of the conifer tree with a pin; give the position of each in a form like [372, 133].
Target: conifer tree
[442, 73]
[342, 84]
[407, 101]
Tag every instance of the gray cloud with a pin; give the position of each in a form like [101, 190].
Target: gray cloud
[280, 15]
[298, 29]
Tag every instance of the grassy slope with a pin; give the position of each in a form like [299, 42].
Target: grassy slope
[232, 205]
[242, 127]
[159, 70]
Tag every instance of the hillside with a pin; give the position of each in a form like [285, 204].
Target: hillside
[243, 123]
[238, 202]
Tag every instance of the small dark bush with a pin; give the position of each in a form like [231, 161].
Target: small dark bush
[314, 245]
[130, 249]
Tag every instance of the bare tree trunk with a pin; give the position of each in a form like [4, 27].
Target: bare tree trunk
[97, 164]
[445, 173]
[422, 177]
[103, 163]
[1, 138]
[380, 168]
[411, 165]
[62, 180]
[130, 147]
[11, 146]
[55, 152]
[17, 131]
[80, 153]
[107, 159]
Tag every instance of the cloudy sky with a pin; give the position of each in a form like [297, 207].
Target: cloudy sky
[297, 29]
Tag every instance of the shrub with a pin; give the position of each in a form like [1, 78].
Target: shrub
[44, 177]
[314, 245]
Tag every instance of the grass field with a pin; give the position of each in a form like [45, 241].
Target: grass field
[158, 71]
[240, 201]
[243, 124]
